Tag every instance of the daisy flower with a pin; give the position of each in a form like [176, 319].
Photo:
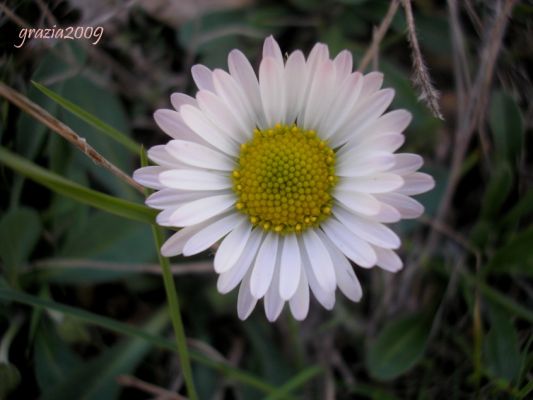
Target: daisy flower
[293, 171]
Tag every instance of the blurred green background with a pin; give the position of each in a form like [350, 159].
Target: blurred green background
[82, 303]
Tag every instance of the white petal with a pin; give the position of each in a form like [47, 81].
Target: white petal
[388, 260]
[388, 142]
[394, 121]
[376, 183]
[406, 163]
[227, 281]
[273, 302]
[408, 208]
[346, 278]
[362, 203]
[271, 49]
[356, 163]
[372, 83]
[416, 183]
[367, 229]
[343, 65]
[172, 198]
[342, 104]
[209, 235]
[173, 246]
[236, 100]
[364, 114]
[299, 303]
[294, 81]
[290, 266]
[197, 155]
[194, 180]
[387, 214]
[201, 125]
[232, 247]
[221, 116]
[324, 297]
[356, 249]
[203, 77]
[246, 302]
[264, 266]
[272, 89]
[202, 209]
[171, 122]
[159, 155]
[180, 99]
[244, 74]
[319, 97]
[320, 261]
[149, 176]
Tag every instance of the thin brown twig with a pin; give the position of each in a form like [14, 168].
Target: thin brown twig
[176, 269]
[161, 393]
[495, 31]
[63, 130]
[421, 79]
[378, 35]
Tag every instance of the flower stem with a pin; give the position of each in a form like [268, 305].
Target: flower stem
[175, 316]
[174, 307]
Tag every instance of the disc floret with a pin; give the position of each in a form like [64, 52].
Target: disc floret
[284, 179]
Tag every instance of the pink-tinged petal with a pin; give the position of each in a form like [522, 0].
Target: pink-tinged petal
[200, 156]
[203, 77]
[408, 208]
[417, 183]
[243, 73]
[149, 176]
[388, 260]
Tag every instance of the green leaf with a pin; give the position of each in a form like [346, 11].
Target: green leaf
[398, 347]
[9, 295]
[296, 382]
[498, 189]
[501, 346]
[516, 256]
[20, 229]
[521, 209]
[77, 192]
[507, 126]
[53, 358]
[106, 106]
[91, 119]
[99, 374]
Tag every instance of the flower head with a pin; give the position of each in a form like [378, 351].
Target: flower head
[294, 171]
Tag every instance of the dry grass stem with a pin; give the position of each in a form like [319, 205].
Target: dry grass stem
[421, 79]
[469, 117]
[177, 269]
[63, 130]
[378, 35]
[149, 388]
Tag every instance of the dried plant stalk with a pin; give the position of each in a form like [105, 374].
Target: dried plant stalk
[378, 35]
[63, 130]
[421, 79]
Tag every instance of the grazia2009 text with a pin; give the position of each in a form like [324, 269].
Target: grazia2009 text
[68, 33]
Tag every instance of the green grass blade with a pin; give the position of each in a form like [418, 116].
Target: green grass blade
[90, 119]
[8, 294]
[295, 382]
[499, 298]
[58, 184]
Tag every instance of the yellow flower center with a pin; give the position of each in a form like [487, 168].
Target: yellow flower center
[284, 179]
